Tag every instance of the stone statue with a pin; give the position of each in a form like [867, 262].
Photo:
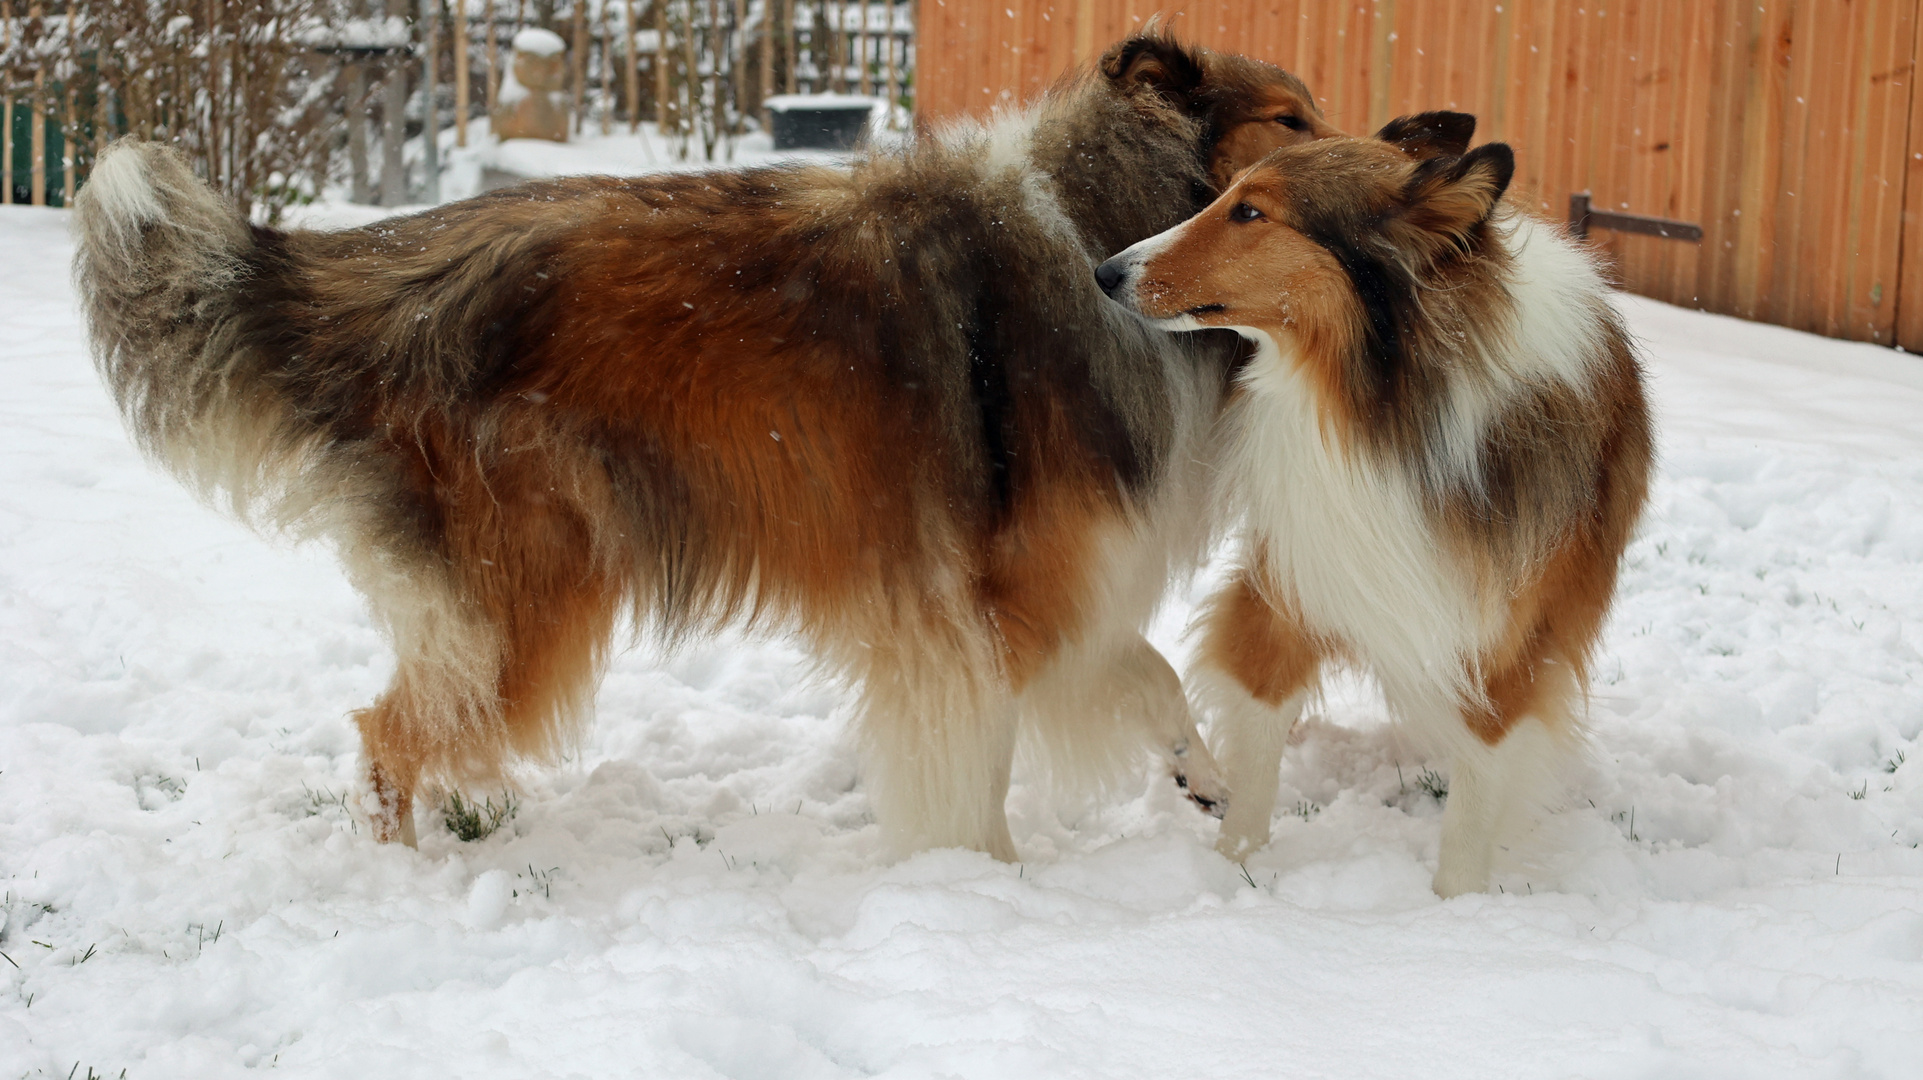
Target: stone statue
[532, 102]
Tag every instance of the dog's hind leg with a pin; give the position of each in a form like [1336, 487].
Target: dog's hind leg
[937, 724]
[469, 694]
[392, 814]
[443, 704]
[499, 630]
[1257, 667]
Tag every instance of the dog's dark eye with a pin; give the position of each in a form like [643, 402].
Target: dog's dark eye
[1291, 121]
[1244, 212]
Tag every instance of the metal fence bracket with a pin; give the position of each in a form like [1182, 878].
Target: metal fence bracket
[1582, 219]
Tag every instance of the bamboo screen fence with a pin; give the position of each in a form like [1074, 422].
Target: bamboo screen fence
[1790, 130]
[263, 94]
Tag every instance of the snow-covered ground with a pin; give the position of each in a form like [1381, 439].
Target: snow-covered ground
[1734, 889]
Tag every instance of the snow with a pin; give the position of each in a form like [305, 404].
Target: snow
[388, 32]
[586, 153]
[785, 102]
[698, 891]
[511, 90]
[539, 42]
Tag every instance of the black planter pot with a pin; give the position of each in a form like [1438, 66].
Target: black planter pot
[819, 121]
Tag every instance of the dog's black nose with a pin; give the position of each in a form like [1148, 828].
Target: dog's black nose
[1109, 276]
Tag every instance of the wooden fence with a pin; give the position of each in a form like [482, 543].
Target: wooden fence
[1789, 129]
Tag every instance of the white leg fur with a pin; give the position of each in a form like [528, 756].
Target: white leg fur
[938, 752]
[1253, 737]
[1490, 790]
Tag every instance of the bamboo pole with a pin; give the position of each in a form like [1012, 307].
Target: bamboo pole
[37, 179]
[607, 70]
[394, 122]
[861, 48]
[214, 101]
[69, 131]
[716, 110]
[430, 101]
[817, 59]
[103, 96]
[37, 142]
[736, 54]
[792, 36]
[631, 72]
[492, 78]
[6, 116]
[767, 56]
[837, 56]
[580, 64]
[363, 189]
[827, 50]
[462, 53]
[691, 82]
[661, 67]
[888, 42]
[795, 34]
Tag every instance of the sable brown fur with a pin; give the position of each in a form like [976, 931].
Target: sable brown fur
[882, 406]
[1438, 455]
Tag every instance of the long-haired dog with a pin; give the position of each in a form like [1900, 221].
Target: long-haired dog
[1436, 455]
[882, 406]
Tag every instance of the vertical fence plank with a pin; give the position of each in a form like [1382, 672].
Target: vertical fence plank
[1721, 177]
[1875, 229]
[1784, 303]
[1909, 299]
[1770, 36]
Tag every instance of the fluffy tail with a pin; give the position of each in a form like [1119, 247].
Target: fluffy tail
[164, 266]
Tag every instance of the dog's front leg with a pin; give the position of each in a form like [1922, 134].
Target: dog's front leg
[1253, 736]
[1256, 669]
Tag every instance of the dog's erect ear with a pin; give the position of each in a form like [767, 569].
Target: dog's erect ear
[1448, 197]
[1431, 134]
[1155, 61]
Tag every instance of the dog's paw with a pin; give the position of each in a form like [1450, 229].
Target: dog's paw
[1451, 882]
[1213, 804]
[1195, 773]
[1237, 847]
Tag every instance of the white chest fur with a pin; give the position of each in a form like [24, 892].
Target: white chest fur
[1348, 543]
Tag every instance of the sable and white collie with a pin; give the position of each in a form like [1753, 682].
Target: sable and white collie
[1436, 456]
[883, 406]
